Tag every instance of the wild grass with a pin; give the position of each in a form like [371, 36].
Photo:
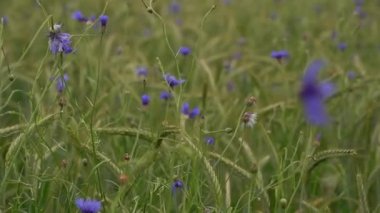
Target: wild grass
[96, 140]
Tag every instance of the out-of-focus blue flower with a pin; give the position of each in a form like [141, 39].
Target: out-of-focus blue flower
[184, 50]
[230, 86]
[61, 83]
[177, 185]
[172, 81]
[142, 71]
[78, 15]
[59, 42]
[313, 93]
[191, 113]
[209, 140]
[351, 75]
[227, 2]
[175, 7]
[342, 46]
[164, 95]
[88, 206]
[194, 112]
[358, 2]
[227, 64]
[185, 108]
[279, 55]
[103, 20]
[359, 12]
[4, 20]
[145, 99]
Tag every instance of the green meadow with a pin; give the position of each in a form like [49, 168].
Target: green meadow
[189, 106]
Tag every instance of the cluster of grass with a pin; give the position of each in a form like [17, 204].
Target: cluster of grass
[96, 140]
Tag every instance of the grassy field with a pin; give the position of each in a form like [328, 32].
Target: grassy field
[190, 106]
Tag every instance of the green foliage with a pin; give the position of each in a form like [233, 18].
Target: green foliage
[96, 140]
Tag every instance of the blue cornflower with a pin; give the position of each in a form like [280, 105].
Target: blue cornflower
[184, 50]
[4, 20]
[313, 94]
[59, 42]
[279, 55]
[178, 184]
[191, 113]
[61, 83]
[227, 2]
[88, 206]
[78, 15]
[172, 81]
[209, 140]
[145, 99]
[103, 20]
[358, 2]
[141, 71]
[230, 86]
[342, 46]
[175, 7]
[164, 95]
[351, 75]
[359, 12]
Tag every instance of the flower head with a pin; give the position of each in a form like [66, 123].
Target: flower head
[78, 15]
[103, 20]
[351, 75]
[59, 42]
[342, 46]
[313, 94]
[249, 119]
[175, 7]
[141, 71]
[4, 20]
[279, 55]
[191, 113]
[88, 206]
[164, 95]
[178, 184]
[209, 140]
[61, 83]
[184, 50]
[145, 99]
[172, 81]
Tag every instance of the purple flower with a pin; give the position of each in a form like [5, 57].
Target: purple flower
[358, 2]
[184, 50]
[175, 7]
[61, 83]
[313, 94]
[59, 42]
[342, 46]
[185, 108]
[227, 2]
[88, 206]
[359, 12]
[191, 113]
[195, 112]
[279, 55]
[172, 81]
[103, 20]
[351, 75]
[177, 184]
[78, 15]
[164, 95]
[141, 71]
[230, 86]
[145, 99]
[209, 140]
[4, 20]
